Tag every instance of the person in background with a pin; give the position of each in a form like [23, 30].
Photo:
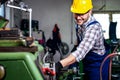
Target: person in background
[90, 47]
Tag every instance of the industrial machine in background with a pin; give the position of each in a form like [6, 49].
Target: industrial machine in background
[114, 43]
[20, 56]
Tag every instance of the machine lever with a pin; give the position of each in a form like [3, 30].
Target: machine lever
[48, 71]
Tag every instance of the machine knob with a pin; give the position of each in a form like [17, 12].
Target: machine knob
[2, 72]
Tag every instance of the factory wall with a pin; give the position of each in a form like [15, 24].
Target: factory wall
[106, 5]
[51, 12]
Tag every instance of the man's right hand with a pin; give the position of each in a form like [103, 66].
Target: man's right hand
[58, 67]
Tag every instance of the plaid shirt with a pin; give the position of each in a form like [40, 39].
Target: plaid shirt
[92, 39]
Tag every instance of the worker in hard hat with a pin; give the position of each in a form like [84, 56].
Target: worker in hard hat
[90, 48]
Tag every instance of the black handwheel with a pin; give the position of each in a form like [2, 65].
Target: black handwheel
[64, 48]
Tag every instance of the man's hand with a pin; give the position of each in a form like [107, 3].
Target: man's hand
[58, 67]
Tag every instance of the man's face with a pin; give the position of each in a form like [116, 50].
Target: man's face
[82, 18]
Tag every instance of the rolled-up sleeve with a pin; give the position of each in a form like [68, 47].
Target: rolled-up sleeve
[87, 43]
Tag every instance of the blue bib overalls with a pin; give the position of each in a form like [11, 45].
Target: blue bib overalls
[92, 63]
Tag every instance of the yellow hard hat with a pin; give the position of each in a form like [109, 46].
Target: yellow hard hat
[81, 6]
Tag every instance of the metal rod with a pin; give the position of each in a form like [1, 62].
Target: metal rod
[16, 7]
[30, 23]
[30, 16]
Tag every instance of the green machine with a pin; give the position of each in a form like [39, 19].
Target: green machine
[20, 63]
[20, 58]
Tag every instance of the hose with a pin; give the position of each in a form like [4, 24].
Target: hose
[109, 56]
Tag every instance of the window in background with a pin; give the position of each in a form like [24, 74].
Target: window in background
[2, 10]
[116, 18]
[104, 21]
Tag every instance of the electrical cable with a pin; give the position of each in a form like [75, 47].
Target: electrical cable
[113, 54]
[110, 68]
[109, 56]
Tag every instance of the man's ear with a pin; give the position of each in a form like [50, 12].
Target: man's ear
[90, 12]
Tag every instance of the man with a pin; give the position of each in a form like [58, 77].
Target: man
[91, 49]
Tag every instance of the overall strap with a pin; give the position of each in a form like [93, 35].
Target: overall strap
[92, 23]
[87, 26]
[78, 40]
[107, 46]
